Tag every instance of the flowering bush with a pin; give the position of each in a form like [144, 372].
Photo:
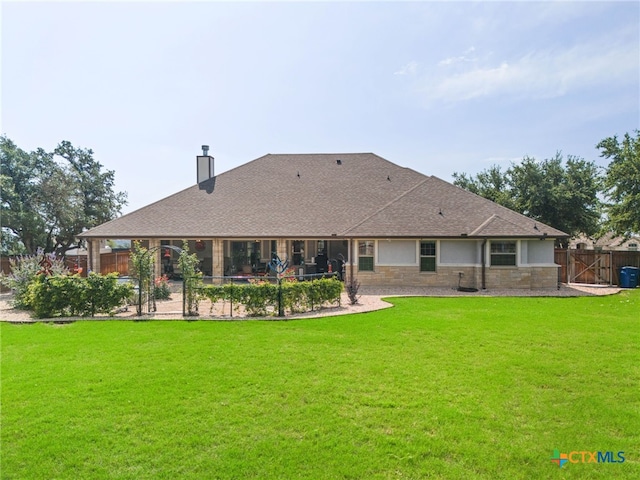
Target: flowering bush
[24, 270]
[289, 275]
[161, 288]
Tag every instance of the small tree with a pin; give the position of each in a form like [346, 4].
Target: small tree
[192, 278]
[142, 264]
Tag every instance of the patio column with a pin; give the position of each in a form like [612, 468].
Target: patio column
[93, 246]
[217, 257]
[281, 248]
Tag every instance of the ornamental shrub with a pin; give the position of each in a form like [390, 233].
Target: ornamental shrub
[103, 293]
[214, 293]
[24, 270]
[64, 295]
[294, 295]
[259, 298]
[55, 296]
[351, 286]
[233, 293]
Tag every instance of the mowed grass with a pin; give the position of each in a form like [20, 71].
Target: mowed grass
[432, 388]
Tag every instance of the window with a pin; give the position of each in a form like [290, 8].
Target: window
[365, 255]
[503, 254]
[427, 256]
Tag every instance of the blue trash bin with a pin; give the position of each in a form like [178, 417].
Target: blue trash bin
[629, 277]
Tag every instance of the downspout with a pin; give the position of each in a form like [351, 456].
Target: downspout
[89, 257]
[351, 255]
[484, 263]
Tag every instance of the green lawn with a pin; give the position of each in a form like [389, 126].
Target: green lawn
[432, 388]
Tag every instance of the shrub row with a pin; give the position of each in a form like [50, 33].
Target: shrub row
[260, 298]
[64, 295]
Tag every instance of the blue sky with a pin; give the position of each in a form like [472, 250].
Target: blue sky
[439, 87]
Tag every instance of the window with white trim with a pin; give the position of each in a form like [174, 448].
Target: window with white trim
[503, 254]
[427, 256]
[365, 255]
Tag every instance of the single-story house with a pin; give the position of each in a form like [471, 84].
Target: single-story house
[390, 224]
[607, 242]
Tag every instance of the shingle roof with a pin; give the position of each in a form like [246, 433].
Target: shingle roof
[314, 195]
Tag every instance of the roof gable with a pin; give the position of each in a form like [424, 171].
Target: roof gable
[439, 209]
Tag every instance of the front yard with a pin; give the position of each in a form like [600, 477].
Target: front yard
[435, 387]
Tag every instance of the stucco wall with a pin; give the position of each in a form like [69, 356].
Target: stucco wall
[538, 252]
[460, 251]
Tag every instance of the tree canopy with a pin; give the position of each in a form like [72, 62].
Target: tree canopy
[562, 194]
[491, 183]
[622, 183]
[48, 198]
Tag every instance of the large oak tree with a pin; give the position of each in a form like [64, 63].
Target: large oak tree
[622, 183]
[563, 194]
[48, 198]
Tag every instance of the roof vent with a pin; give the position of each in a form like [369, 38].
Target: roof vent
[339, 162]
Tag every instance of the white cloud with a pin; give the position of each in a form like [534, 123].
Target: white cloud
[409, 69]
[467, 57]
[543, 74]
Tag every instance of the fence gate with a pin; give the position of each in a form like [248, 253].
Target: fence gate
[594, 267]
[590, 267]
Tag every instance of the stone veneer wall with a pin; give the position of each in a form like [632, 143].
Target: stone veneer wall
[522, 277]
[495, 277]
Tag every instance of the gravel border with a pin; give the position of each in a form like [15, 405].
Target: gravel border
[370, 299]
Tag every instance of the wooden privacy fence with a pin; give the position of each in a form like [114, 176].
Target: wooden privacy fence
[109, 262]
[115, 262]
[594, 267]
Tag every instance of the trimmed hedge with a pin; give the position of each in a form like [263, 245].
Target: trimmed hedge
[258, 298]
[67, 296]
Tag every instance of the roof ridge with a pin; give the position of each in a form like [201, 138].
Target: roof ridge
[485, 223]
[490, 220]
[387, 205]
[318, 154]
